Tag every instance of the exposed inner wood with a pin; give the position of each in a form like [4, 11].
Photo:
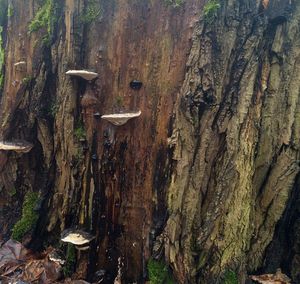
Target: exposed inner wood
[206, 175]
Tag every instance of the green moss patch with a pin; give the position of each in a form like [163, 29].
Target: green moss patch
[159, 273]
[92, 12]
[29, 217]
[10, 10]
[70, 261]
[27, 80]
[79, 131]
[230, 277]
[45, 19]
[211, 9]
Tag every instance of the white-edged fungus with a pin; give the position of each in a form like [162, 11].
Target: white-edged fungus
[83, 247]
[97, 115]
[57, 257]
[87, 75]
[20, 64]
[76, 237]
[120, 118]
[19, 146]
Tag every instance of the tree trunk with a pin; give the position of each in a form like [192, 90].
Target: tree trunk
[207, 172]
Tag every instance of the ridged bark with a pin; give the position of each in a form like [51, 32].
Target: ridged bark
[236, 140]
[206, 171]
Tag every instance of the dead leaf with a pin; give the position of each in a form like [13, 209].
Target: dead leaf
[33, 270]
[70, 281]
[277, 278]
[19, 264]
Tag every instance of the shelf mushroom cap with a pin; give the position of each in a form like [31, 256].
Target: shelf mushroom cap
[87, 75]
[20, 63]
[97, 114]
[19, 146]
[57, 256]
[76, 237]
[82, 247]
[120, 118]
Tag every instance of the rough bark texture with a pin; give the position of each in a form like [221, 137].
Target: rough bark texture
[236, 139]
[206, 171]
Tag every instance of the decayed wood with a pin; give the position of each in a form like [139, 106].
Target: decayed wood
[114, 182]
[211, 190]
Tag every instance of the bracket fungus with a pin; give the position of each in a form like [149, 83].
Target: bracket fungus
[57, 256]
[19, 146]
[97, 115]
[20, 64]
[87, 75]
[82, 247]
[79, 238]
[136, 85]
[120, 118]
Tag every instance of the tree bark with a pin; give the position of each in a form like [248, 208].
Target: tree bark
[208, 169]
[236, 140]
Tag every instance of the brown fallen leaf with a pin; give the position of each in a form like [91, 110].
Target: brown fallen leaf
[12, 269]
[12, 250]
[12, 257]
[70, 281]
[20, 264]
[33, 271]
[277, 278]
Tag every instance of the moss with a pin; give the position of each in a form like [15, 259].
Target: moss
[91, 12]
[27, 80]
[29, 217]
[53, 109]
[70, 261]
[10, 10]
[45, 19]
[210, 10]
[230, 277]
[159, 272]
[79, 131]
[174, 3]
[1, 81]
